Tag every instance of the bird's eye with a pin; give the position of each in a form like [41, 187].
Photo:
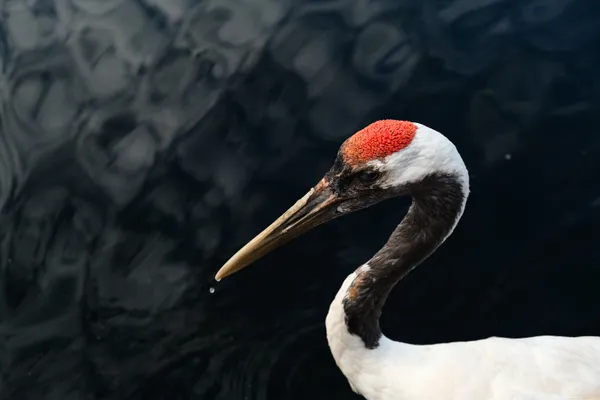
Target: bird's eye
[367, 176]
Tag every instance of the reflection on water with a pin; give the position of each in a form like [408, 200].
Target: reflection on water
[143, 141]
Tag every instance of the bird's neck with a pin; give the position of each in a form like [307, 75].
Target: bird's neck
[438, 203]
[355, 339]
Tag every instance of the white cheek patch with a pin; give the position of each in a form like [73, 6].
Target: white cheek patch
[429, 152]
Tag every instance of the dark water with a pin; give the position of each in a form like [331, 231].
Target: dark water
[142, 142]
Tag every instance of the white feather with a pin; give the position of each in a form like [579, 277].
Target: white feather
[429, 151]
[537, 368]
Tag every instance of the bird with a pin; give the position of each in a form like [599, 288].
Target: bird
[391, 158]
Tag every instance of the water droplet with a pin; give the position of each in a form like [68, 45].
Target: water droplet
[212, 290]
[507, 156]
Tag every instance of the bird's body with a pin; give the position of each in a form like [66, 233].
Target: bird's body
[535, 368]
[389, 159]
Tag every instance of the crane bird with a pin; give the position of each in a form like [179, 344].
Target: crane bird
[392, 158]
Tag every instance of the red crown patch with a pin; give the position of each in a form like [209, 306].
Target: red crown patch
[378, 140]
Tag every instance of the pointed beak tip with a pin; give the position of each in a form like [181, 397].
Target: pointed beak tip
[220, 275]
[226, 269]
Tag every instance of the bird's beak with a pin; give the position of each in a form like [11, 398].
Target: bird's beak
[316, 207]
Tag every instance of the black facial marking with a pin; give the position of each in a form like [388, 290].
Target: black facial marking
[368, 176]
[437, 201]
[358, 185]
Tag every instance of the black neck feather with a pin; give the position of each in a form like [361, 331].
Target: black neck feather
[437, 203]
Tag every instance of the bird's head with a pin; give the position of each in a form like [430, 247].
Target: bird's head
[386, 159]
